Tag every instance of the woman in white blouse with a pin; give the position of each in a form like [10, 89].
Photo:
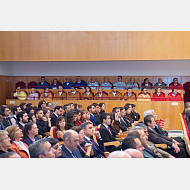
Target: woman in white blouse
[33, 95]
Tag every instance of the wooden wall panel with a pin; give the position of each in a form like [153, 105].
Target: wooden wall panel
[94, 45]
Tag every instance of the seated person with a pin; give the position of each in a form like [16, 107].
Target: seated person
[175, 84]
[134, 113]
[46, 95]
[60, 94]
[22, 106]
[42, 104]
[100, 95]
[144, 94]
[71, 119]
[129, 95]
[33, 95]
[15, 134]
[93, 84]
[102, 107]
[19, 94]
[91, 109]
[128, 117]
[112, 95]
[73, 94]
[174, 96]
[54, 84]
[30, 131]
[14, 119]
[146, 83]
[87, 95]
[119, 154]
[160, 83]
[42, 84]
[80, 84]
[61, 127]
[68, 83]
[119, 84]
[57, 112]
[97, 112]
[106, 84]
[41, 149]
[31, 118]
[85, 116]
[29, 110]
[10, 155]
[22, 118]
[132, 84]
[66, 108]
[158, 95]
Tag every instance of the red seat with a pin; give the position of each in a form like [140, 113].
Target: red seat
[32, 84]
[21, 83]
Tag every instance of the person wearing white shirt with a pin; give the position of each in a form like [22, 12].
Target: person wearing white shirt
[33, 95]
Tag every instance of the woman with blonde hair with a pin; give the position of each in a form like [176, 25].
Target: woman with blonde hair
[4, 142]
[15, 134]
[33, 95]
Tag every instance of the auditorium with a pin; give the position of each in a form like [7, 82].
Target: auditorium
[94, 94]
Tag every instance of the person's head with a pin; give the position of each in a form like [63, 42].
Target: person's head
[31, 118]
[105, 79]
[58, 110]
[133, 106]
[14, 132]
[142, 125]
[29, 110]
[71, 139]
[151, 112]
[55, 145]
[46, 89]
[66, 107]
[32, 91]
[78, 79]
[187, 105]
[88, 129]
[88, 89]
[83, 115]
[91, 108]
[99, 89]
[54, 104]
[42, 79]
[158, 90]
[46, 112]
[114, 89]
[30, 129]
[144, 90]
[23, 106]
[132, 80]
[160, 80]
[42, 104]
[19, 89]
[60, 123]
[22, 117]
[41, 149]
[2, 115]
[115, 116]
[10, 155]
[16, 109]
[105, 118]
[128, 110]
[54, 81]
[174, 91]
[119, 78]
[119, 154]
[75, 106]
[67, 79]
[49, 105]
[39, 113]
[92, 79]
[71, 117]
[139, 133]
[78, 112]
[117, 110]
[134, 153]
[80, 131]
[29, 105]
[132, 142]
[149, 121]
[71, 105]
[4, 140]
[97, 107]
[102, 106]
[60, 88]
[175, 80]
[129, 90]
[73, 88]
[122, 111]
[146, 81]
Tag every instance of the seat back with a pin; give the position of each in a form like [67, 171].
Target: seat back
[21, 83]
[32, 84]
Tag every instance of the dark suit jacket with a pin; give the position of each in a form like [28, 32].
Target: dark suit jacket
[94, 120]
[157, 138]
[159, 130]
[122, 126]
[126, 124]
[53, 120]
[5, 123]
[135, 116]
[150, 152]
[97, 117]
[20, 126]
[66, 154]
[42, 127]
[99, 150]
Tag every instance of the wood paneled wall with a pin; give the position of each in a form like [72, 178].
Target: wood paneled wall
[93, 45]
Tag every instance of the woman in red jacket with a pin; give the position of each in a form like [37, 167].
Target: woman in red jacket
[158, 95]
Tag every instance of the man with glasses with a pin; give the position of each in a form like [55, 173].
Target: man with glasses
[176, 85]
[6, 120]
[119, 84]
[144, 95]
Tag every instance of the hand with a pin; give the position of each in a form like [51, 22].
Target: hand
[97, 134]
[170, 136]
[177, 149]
[171, 156]
[44, 118]
[88, 147]
[120, 131]
[177, 142]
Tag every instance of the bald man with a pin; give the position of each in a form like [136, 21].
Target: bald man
[134, 153]
[119, 154]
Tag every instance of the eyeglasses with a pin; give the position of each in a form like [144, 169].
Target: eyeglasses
[81, 134]
[7, 110]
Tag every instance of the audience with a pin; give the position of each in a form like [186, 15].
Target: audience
[85, 116]
[68, 83]
[15, 134]
[146, 83]
[47, 114]
[4, 142]
[106, 84]
[158, 95]
[134, 153]
[71, 119]
[6, 120]
[57, 112]
[31, 118]
[22, 118]
[93, 119]
[46, 95]
[174, 96]
[42, 104]
[100, 95]
[102, 108]
[54, 84]
[87, 95]
[134, 113]
[97, 112]
[80, 84]
[122, 120]
[175, 84]
[114, 119]
[19, 94]
[114, 94]
[1, 119]
[160, 83]
[93, 84]
[23, 106]
[119, 84]
[133, 85]
[42, 84]
[61, 127]
[66, 108]
[129, 95]
[60, 94]
[119, 154]
[73, 94]
[144, 94]
[33, 95]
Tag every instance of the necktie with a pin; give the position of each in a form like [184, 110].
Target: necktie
[95, 146]
[109, 131]
[8, 120]
[83, 150]
[74, 155]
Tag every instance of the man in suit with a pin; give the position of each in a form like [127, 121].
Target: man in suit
[14, 119]
[22, 119]
[2, 115]
[89, 132]
[93, 119]
[57, 112]
[106, 132]
[112, 95]
[69, 147]
[6, 120]
[174, 147]
[66, 108]
[134, 113]
[123, 122]
[97, 112]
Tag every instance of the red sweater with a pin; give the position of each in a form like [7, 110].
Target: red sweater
[158, 98]
[178, 86]
[177, 97]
